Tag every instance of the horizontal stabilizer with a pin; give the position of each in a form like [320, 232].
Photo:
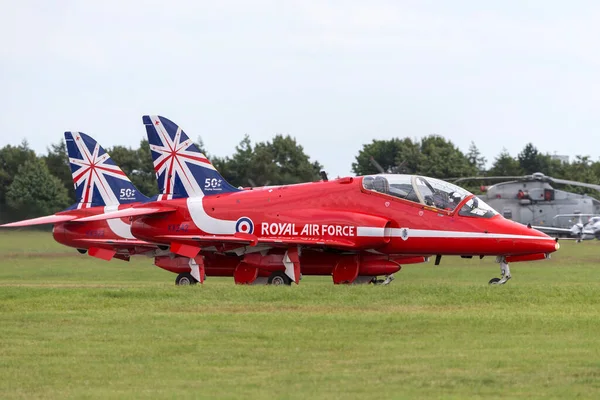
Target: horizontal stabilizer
[49, 219]
[129, 212]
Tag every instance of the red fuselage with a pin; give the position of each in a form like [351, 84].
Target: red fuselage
[110, 235]
[341, 215]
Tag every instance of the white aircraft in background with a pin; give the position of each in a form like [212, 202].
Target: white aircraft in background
[579, 231]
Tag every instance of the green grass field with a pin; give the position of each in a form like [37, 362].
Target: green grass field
[75, 327]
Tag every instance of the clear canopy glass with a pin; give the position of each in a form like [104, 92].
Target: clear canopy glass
[427, 191]
[476, 207]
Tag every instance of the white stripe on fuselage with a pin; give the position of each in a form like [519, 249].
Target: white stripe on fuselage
[369, 231]
[205, 222]
[119, 228]
[426, 233]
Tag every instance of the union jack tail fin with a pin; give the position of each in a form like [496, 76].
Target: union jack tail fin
[98, 180]
[181, 169]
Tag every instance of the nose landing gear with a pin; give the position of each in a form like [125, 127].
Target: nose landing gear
[504, 273]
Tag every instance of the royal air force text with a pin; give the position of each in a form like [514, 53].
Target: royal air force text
[290, 229]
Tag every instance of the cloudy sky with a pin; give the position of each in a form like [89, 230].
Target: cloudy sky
[333, 74]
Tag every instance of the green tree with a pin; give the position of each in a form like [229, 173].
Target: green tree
[409, 158]
[280, 161]
[431, 156]
[476, 160]
[442, 159]
[505, 165]
[236, 170]
[581, 170]
[532, 161]
[57, 161]
[200, 145]
[137, 165]
[293, 165]
[11, 158]
[144, 177]
[596, 169]
[35, 191]
[388, 154]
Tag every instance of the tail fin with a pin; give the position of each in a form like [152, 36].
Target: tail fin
[98, 180]
[181, 169]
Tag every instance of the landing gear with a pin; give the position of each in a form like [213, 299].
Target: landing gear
[185, 279]
[279, 278]
[504, 272]
[388, 279]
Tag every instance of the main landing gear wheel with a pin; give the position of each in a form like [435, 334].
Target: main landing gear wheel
[185, 279]
[388, 279]
[504, 273]
[279, 278]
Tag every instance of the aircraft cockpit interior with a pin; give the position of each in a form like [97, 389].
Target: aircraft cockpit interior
[430, 192]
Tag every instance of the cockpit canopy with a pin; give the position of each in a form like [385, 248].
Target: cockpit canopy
[428, 191]
[594, 220]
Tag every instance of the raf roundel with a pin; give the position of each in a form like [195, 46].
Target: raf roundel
[404, 233]
[244, 225]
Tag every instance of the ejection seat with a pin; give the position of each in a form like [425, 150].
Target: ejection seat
[381, 185]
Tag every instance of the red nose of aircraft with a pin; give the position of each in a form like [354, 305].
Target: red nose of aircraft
[526, 240]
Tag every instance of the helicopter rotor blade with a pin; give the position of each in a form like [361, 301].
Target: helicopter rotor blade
[575, 183]
[483, 178]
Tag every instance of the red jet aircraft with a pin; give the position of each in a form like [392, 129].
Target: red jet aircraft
[354, 229]
[101, 187]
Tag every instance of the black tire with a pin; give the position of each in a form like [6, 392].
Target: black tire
[494, 281]
[185, 279]
[279, 278]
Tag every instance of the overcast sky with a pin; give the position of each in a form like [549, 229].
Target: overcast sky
[333, 74]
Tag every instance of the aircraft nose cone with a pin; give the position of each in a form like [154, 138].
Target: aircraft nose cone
[527, 240]
[540, 241]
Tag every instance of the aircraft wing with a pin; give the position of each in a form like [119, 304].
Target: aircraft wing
[551, 229]
[251, 240]
[128, 212]
[240, 238]
[309, 242]
[49, 219]
[116, 242]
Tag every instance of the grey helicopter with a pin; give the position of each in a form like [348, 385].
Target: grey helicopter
[531, 199]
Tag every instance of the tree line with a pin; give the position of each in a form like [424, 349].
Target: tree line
[32, 185]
